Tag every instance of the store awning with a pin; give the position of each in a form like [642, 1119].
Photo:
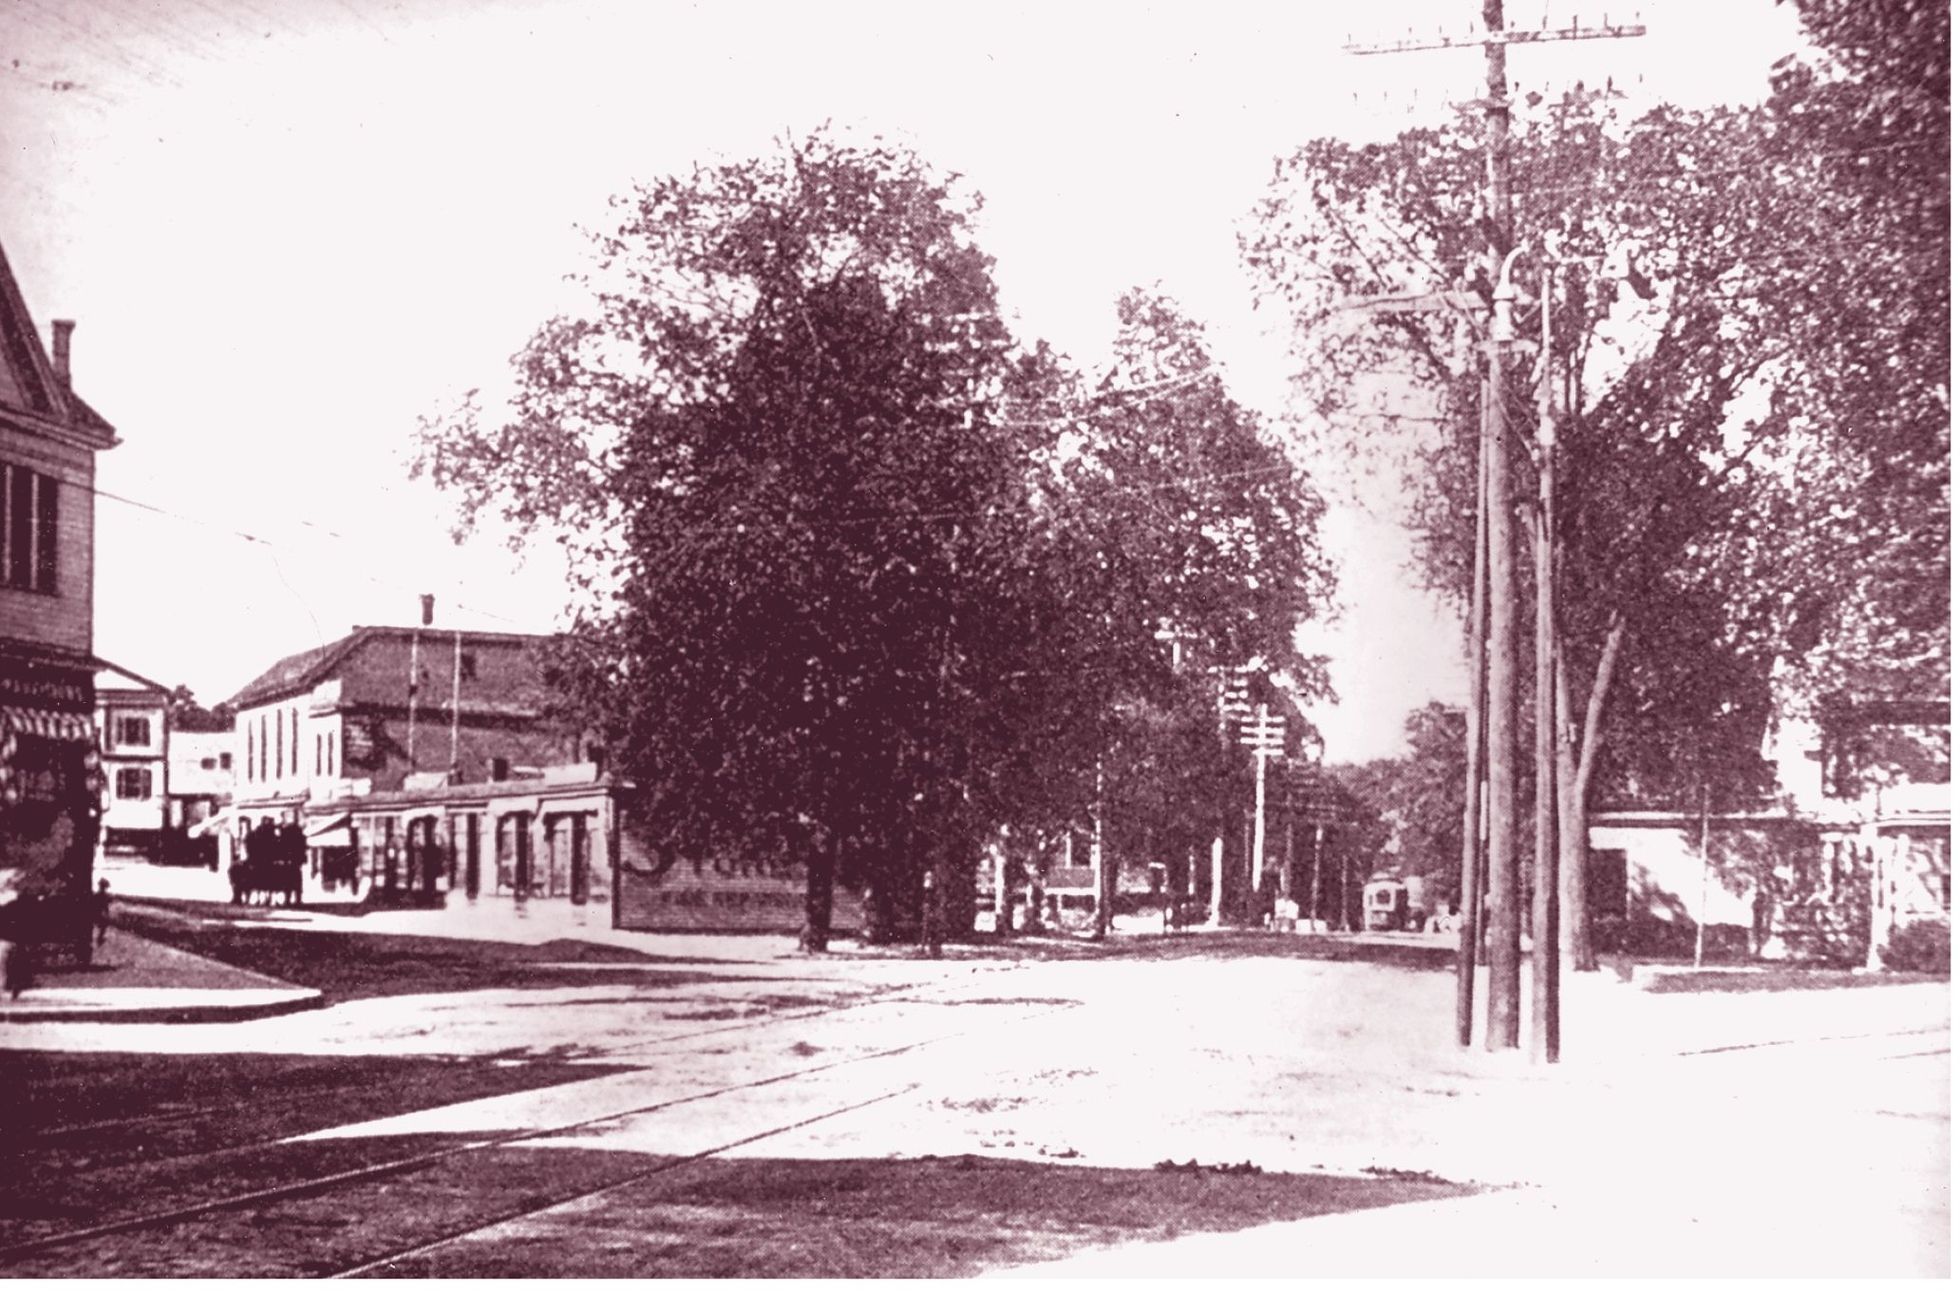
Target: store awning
[211, 823]
[321, 827]
[57, 725]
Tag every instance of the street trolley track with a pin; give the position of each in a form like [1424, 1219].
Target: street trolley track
[54, 1136]
[531, 1208]
[307, 1187]
[897, 994]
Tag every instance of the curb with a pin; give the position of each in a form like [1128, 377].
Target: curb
[169, 1013]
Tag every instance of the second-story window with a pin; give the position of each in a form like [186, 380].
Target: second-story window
[278, 745]
[132, 730]
[29, 529]
[295, 741]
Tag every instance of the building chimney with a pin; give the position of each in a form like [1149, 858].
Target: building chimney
[428, 609]
[63, 329]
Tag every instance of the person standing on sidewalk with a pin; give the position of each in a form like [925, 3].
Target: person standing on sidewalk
[16, 967]
[102, 901]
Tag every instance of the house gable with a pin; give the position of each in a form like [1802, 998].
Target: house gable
[31, 393]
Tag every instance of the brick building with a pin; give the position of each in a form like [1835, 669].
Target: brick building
[352, 739]
[382, 704]
[50, 781]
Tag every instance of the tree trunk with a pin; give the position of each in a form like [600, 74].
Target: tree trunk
[819, 890]
[881, 905]
[1038, 891]
[1216, 918]
[1578, 750]
[1575, 921]
[956, 901]
[1003, 898]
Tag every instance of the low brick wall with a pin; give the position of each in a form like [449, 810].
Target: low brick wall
[719, 894]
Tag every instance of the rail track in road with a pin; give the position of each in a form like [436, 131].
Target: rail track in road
[76, 1240]
[901, 993]
[534, 1207]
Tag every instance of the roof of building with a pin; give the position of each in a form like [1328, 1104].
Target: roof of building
[114, 670]
[33, 390]
[296, 673]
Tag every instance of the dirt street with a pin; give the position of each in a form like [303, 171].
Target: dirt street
[561, 1110]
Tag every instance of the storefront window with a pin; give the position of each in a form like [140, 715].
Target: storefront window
[515, 868]
[46, 818]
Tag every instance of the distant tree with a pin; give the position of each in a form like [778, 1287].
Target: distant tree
[1192, 546]
[186, 715]
[1409, 808]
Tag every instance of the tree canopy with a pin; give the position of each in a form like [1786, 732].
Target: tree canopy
[1745, 316]
[864, 581]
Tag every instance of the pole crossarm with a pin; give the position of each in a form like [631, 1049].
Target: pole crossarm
[1412, 302]
[1510, 36]
[1490, 867]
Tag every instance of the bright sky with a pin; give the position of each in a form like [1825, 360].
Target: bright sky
[287, 229]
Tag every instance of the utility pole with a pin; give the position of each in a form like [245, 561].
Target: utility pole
[1470, 908]
[1501, 1022]
[455, 701]
[1096, 858]
[1500, 673]
[1267, 738]
[1701, 914]
[414, 688]
[1545, 882]
[1313, 888]
[1286, 859]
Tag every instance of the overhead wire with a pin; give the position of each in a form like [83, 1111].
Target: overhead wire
[272, 546]
[120, 53]
[1217, 478]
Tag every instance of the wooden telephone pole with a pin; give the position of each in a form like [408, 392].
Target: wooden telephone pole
[1266, 736]
[1491, 762]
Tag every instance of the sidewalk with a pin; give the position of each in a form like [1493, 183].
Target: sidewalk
[135, 980]
[490, 918]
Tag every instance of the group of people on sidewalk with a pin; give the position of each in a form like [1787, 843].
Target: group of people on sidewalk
[274, 863]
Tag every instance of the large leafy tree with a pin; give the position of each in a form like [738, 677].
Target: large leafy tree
[1746, 332]
[775, 448]
[1864, 298]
